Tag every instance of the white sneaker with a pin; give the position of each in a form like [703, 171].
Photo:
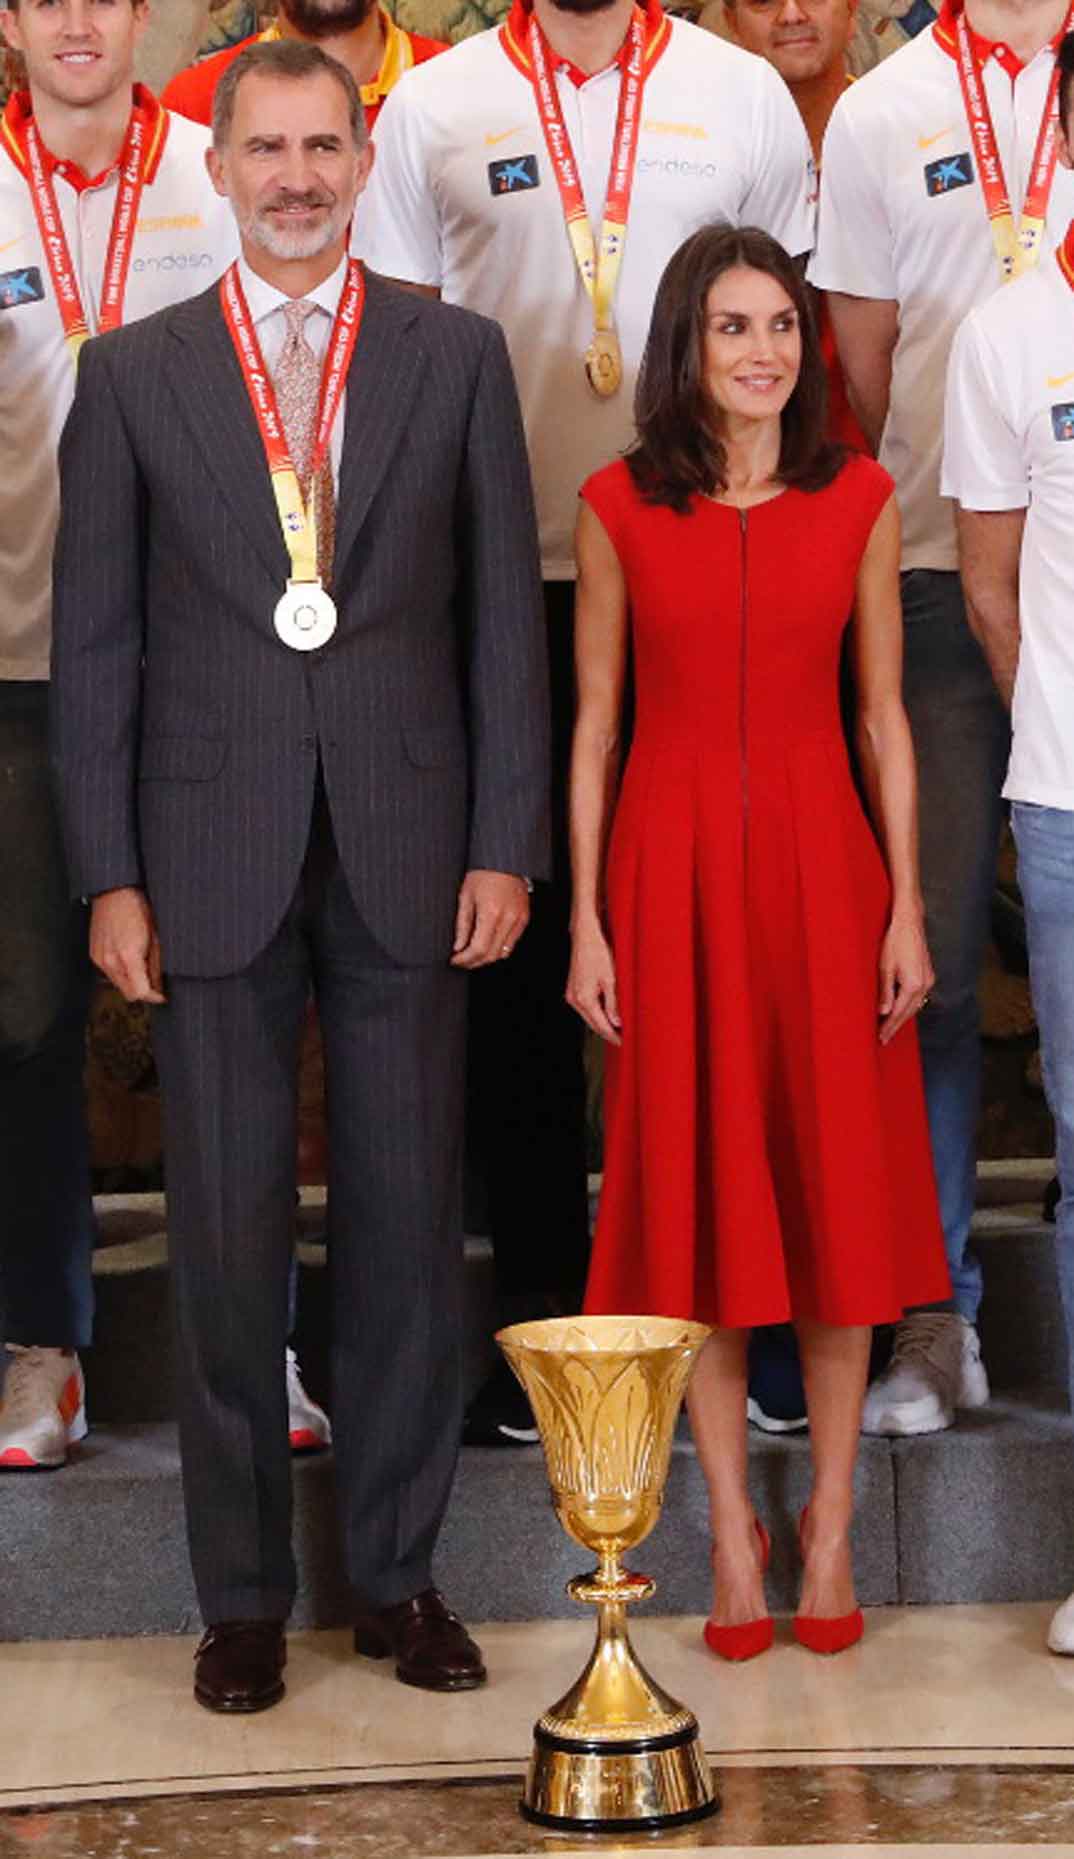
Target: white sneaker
[308, 1425]
[43, 1410]
[1061, 1631]
[935, 1368]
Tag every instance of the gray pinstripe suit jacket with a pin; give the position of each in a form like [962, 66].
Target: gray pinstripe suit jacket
[186, 734]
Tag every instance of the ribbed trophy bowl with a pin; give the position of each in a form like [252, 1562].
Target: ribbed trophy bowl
[617, 1753]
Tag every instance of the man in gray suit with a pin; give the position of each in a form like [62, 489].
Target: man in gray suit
[300, 730]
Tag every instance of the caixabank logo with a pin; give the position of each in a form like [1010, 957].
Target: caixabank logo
[945, 175]
[19, 287]
[517, 175]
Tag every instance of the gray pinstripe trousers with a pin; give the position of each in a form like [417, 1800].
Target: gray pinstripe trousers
[228, 1054]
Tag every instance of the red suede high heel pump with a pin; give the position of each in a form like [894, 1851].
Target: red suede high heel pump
[753, 1636]
[826, 1636]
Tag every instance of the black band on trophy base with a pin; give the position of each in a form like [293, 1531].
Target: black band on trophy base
[655, 1823]
[608, 1746]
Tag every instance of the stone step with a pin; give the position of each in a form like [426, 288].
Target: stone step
[129, 1370]
[979, 1514]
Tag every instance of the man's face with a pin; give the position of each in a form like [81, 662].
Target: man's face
[582, 6]
[77, 52]
[802, 38]
[290, 168]
[325, 19]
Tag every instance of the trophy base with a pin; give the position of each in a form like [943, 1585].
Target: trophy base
[604, 1786]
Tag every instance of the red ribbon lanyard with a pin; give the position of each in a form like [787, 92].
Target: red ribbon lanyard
[134, 162]
[598, 268]
[297, 521]
[1017, 247]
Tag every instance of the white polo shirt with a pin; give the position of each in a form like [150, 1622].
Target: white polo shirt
[185, 237]
[463, 197]
[902, 217]
[1010, 446]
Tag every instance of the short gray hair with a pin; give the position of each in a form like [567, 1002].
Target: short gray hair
[290, 58]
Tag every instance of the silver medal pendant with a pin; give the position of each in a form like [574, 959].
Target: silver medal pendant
[305, 617]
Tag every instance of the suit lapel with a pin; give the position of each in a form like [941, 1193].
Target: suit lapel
[385, 373]
[212, 394]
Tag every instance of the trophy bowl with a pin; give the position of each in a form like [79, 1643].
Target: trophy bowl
[616, 1754]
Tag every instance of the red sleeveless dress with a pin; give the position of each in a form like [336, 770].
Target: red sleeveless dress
[765, 1157]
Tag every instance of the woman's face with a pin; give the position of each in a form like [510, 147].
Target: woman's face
[752, 344]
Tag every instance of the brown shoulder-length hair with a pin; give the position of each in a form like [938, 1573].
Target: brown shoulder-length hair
[678, 451]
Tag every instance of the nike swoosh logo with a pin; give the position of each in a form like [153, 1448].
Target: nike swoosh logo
[504, 135]
[927, 141]
[7, 247]
[1060, 380]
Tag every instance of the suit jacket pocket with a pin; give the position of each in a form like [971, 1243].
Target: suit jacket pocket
[439, 745]
[181, 758]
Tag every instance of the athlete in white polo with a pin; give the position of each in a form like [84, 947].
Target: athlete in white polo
[939, 185]
[106, 213]
[544, 174]
[1009, 462]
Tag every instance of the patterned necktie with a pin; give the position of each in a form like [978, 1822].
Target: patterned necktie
[298, 391]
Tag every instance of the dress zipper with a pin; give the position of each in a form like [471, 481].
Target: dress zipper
[743, 658]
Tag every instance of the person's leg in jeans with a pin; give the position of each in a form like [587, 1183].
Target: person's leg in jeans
[961, 742]
[526, 1091]
[46, 1212]
[1045, 840]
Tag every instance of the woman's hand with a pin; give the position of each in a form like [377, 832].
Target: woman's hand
[591, 983]
[906, 975]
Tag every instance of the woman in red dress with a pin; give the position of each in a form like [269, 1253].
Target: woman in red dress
[751, 949]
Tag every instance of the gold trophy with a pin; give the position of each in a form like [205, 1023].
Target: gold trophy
[617, 1754]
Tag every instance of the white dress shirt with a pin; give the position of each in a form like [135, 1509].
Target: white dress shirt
[266, 306]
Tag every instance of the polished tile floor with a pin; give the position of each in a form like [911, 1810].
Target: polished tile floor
[947, 1730]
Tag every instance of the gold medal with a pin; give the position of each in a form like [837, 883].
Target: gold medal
[604, 363]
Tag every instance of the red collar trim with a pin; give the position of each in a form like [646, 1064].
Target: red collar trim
[944, 34]
[1065, 256]
[18, 115]
[516, 26]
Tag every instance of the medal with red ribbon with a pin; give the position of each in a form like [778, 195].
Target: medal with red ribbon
[1018, 247]
[598, 266]
[305, 615]
[133, 167]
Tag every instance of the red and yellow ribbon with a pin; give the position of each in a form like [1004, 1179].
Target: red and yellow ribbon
[298, 520]
[1018, 247]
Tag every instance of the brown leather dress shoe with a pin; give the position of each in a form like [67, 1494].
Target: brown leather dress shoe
[239, 1665]
[430, 1645]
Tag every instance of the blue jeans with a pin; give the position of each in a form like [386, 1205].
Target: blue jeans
[46, 1214]
[961, 741]
[1045, 840]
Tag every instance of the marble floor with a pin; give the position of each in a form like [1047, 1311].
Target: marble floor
[948, 1730]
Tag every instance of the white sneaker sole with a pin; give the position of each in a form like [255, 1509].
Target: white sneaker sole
[907, 1418]
[767, 1424]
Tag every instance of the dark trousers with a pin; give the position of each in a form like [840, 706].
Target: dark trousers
[46, 1214]
[394, 1051]
[525, 1079]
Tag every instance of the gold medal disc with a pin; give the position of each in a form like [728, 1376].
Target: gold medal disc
[604, 363]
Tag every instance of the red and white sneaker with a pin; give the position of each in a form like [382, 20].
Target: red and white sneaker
[308, 1425]
[43, 1411]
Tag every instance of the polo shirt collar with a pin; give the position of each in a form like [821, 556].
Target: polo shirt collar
[515, 30]
[944, 34]
[18, 115]
[398, 56]
[262, 298]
